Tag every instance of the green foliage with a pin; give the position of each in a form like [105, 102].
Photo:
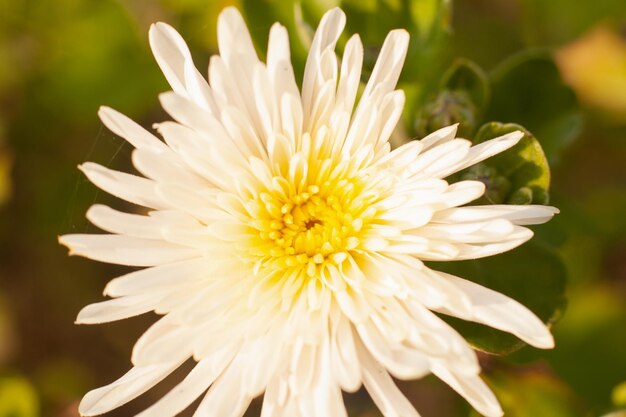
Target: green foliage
[465, 75]
[94, 53]
[524, 167]
[17, 398]
[527, 88]
[531, 274]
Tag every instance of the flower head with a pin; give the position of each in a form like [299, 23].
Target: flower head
[284, 242]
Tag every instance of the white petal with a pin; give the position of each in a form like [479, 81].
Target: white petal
[232, 34]
[226, 397]
[402, 361]
[198, 88]
[344, 359]
[389, 64]
[472, 388]
[188, 113]
[438, 159]
[521, 215]
[500, 312]
[486, 150]
[387, 397]
[164, 339]
[325, 39]
[166, 167]
[431, 331]
[126, 250]
[390, 113]
[519, 236]
[114, 221]
[440, 136]
[350, 75]
[128, 187]
[134, 383]
[201, 153]
[477, 232]
[161, 278]
[402, 157]
[129, 130]
[171, 52]
[118, 308]
[194, 384]
[279, 63]
[463, 192]
[188, 200]
[363, 129]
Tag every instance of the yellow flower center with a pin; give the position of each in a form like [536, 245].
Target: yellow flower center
[308, 226]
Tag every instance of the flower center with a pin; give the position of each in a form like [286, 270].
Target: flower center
[309, 227]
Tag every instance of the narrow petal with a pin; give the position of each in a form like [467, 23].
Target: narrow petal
[232, 34]
[521, 215]
[389, 64]
[171, 52]
[485, 150]
[134, 225]
[131, 188]
[325, 39]
[161, 278]
[118, 308]
[226, 397]
[500, 312]
[134, 383]
[194, 384]
[166, 167]
[385, 394]
[438, 159]
[472, 388]
[129, 130]
[126, 250]
[440, 136]
[164, 339]
[279, 63]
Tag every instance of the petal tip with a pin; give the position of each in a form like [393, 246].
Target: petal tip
[545, 341]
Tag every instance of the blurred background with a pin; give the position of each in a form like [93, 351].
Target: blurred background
[557, 67]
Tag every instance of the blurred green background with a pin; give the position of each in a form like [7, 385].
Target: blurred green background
[557, 67]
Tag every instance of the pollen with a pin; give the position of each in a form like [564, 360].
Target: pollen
[311, 226]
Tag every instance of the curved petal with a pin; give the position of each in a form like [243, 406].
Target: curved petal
[498, 311]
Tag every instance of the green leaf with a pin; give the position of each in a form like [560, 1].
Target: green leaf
[528, 88]
[524, 166]
[17, 398]
[531, 274]
[465, 75]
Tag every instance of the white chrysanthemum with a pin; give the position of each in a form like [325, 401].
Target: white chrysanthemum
[284, 242]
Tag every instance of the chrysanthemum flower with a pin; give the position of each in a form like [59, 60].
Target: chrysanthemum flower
[284, 242]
